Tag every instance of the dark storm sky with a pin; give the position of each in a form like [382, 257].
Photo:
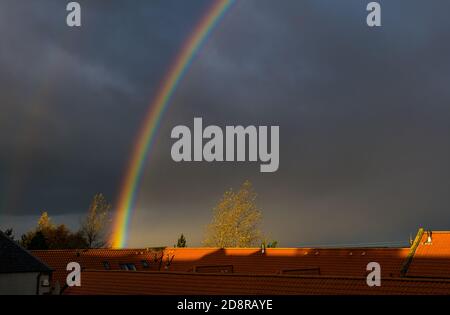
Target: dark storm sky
[363, 114]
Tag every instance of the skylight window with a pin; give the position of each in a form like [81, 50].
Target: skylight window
[123, 266]
[128, 266]
[106, 265]
[131, 267]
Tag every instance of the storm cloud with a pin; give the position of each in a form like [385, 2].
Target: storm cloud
[363, 114]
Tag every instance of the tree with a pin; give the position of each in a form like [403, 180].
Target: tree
[26, 238]
[47, 235]
[60, 237]
[236, 220]
[77, 241]
[181, 241]
[45, 222]
[37, 238]
[38, 241]
[94, 227]
[9, 233]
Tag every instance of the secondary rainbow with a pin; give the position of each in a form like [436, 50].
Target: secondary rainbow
[142, 147]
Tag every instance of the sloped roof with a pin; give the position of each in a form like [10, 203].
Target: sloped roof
[91, 259]
[15, 259]
[432, 259]
[250, 271]
[179, 283]
[328, 262]
[335, 262]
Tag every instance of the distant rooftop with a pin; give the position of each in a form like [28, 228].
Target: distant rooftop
[420, 268]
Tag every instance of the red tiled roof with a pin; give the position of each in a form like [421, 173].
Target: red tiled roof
[432, 259]
[335, 262]
[182, 283]
[92, 259]
[249, 271]
[328, 262]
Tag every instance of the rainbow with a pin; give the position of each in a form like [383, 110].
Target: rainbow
[147, 134]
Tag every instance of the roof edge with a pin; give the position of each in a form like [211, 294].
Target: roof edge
[260, 275]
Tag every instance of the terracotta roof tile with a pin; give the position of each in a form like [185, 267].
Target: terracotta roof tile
[334, 262]
[432, 259]
[249, 271]
[93, 259]
[178, 283]
[329, 261]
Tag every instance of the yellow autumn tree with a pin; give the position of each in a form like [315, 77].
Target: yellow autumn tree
[44, 223]
[47, 235]
[236, 220]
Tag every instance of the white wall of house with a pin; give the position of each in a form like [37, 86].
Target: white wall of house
[23, 283]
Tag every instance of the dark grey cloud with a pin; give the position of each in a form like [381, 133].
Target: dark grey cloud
[73, 100]
[363, 114]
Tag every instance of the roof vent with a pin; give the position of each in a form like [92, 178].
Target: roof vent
[363, 254]
[429, 238]
[351, 254]
[316, 253]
